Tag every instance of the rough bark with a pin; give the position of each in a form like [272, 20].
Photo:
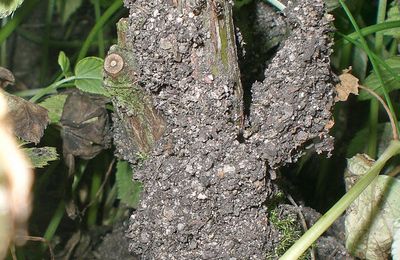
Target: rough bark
[205, 182]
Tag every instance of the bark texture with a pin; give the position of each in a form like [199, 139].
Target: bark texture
[205, 182]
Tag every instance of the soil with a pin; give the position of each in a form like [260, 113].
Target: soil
[206, 182]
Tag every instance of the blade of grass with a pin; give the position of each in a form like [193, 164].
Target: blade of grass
[336, 211]
[3, 50]
[45, 47]
[371, 58]
[60, 44]
[97, 27]
[100, 35]
[369, 30]
[376, 57]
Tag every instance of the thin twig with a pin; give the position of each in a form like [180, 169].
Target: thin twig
[392, 122]
[303, 222]
[101, 187]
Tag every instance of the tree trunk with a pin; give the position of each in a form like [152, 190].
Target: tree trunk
[178, 98]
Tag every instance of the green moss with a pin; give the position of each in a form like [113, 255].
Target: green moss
[224, 45]
[290, 231]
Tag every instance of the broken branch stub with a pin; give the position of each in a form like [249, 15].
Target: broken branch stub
[205, 185]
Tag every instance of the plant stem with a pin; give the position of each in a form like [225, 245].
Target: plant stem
[54, 223]
[374, 106]
[336, 211]
[53, 87]
[277, 4]
[379, 99]
[97, 27]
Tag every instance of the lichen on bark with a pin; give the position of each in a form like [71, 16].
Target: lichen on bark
[205, 182]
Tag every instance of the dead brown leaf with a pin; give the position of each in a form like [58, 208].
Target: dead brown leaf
[348, 84]
[86, 125]
[6, 78]
[29, 120]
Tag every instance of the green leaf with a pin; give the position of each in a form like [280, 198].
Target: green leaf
[40, 157]
[89, 73]
[66, 8]
[128, 189]
[358, 143]
[55, 105]
[8, 7]
[393, 15]
[390, 82]
[64, 63]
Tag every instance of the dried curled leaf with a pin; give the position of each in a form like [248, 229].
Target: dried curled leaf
[370, 218]
[348, 84]
[85, 125]
[29, 119]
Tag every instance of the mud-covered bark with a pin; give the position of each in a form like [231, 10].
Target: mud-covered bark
[206, 185]
[292, 107]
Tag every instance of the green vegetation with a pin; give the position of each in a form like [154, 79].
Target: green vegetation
[289, 229]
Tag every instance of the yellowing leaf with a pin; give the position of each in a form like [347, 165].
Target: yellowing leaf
[348, 84]
[370, 218]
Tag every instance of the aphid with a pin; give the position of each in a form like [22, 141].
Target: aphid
[200, 4]
[218, 8]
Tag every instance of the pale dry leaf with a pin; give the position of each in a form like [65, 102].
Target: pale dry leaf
[396, 240]
[370, 218]
[348, 84]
